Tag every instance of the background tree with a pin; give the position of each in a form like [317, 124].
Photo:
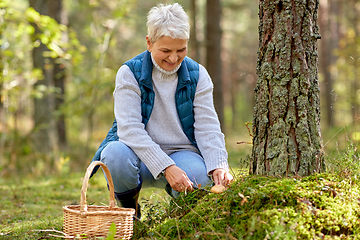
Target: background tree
[60, 15]
[50, 132]
[194, 42]
[329, 29]
[213, 53]
[239, 43]
[286, 127]
[110, 39]
[2, 28]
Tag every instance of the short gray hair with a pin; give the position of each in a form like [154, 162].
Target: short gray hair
[168, 20]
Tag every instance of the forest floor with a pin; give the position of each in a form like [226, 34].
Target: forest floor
[321, 206]
[31, 208]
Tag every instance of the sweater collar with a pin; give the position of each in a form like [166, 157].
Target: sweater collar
[163, 71]
[146, 73]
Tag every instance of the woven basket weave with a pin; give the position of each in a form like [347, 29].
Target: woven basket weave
[95, 221]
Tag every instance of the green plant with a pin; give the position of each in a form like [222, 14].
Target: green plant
[345, 163]
[112, 232]
[258, 207]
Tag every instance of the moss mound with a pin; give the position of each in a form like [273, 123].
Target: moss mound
[321, 206]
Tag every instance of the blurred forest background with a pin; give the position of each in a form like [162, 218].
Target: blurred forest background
[57, 73]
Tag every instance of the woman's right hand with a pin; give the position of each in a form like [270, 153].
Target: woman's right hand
[178, 179]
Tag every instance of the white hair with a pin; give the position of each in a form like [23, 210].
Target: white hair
[168, 20]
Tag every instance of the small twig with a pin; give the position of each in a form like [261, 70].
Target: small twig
[176, 204]
[334, 136]
[233, 173]
[177, 227]
[53, 230]
[58, 236]
[5, 233]
[246, 125]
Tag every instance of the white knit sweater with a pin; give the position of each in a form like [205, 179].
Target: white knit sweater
[163, 134]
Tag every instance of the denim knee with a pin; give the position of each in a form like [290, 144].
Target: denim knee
[123, 165]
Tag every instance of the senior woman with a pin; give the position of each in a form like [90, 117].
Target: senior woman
[166, 131]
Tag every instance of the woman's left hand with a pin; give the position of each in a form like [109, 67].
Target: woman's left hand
[221, 177]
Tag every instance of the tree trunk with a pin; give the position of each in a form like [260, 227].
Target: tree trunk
[1, 80]
[356, 60]
[213, 53]
[335, 36]
[59, 79]
[194, 43]
[325, 60]
[43, 106]
[58, 13]
[286, 124]
[50, 131]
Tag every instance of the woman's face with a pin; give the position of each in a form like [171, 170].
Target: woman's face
[168, 52]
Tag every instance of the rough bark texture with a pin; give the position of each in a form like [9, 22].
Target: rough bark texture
[213, 53]
[286, 127]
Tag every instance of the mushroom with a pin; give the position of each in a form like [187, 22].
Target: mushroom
[217, 189]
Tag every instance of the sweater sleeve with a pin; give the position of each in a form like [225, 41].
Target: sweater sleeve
[209, 138]
[131, 130]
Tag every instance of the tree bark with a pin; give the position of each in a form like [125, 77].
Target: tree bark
[44, 106]
[194, 43]
[58, 13]
[286, 122]
[213, 53]
[59, 81]
[50, 131]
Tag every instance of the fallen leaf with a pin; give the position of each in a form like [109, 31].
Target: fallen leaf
[243, 201]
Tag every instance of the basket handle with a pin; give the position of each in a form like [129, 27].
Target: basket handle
[83, 206]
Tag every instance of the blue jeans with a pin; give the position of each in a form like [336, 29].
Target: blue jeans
[126, 168]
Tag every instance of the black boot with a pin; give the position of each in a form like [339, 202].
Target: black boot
[168, 189]
[129, 199]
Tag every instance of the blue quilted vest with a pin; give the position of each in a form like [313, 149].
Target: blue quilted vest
[188, 76]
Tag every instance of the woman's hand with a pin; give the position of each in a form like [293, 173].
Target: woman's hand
[221, 177]
[178, 179]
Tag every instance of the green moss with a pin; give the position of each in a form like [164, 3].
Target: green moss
[257, 207]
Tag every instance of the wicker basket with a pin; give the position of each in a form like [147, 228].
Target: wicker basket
[95, 221]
